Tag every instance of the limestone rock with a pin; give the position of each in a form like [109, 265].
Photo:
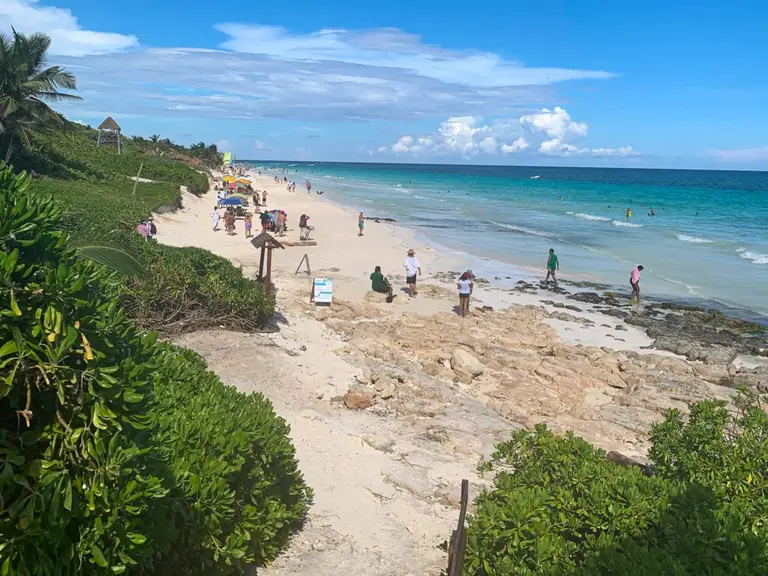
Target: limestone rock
[359, 397]
[463, 361]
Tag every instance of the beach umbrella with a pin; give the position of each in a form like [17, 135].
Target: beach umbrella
[229, 178]
[231, 201]
[245, 181]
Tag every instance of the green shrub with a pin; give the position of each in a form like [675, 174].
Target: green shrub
[233, 463]
[191, 288]
[78, 489]
[119, 454]
[559, 507]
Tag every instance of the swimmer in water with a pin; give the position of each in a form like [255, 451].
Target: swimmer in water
[652, 213]
[629, 213]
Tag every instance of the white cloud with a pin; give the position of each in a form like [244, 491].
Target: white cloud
[260, 145]
[466, 137]
[393, 48]
[516, 146]
[67, 37]
[742, 156]
[223, 146]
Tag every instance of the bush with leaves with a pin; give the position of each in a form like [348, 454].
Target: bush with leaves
[184, 289]
[119, 454]
[559, 507]
[78, 489]
[234, 466]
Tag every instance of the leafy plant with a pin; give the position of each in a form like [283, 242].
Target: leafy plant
[559, 507]
[120, 455]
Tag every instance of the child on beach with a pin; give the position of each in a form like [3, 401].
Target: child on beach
[464, 286]
[248, 223]
[553, 265]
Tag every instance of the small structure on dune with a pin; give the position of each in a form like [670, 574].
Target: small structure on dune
[109, 134]
[267, 243]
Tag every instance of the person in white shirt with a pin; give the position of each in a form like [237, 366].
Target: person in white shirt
[464, 286]
[412, 268]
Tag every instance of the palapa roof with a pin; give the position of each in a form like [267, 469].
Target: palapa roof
[267, 240]
[109, 124]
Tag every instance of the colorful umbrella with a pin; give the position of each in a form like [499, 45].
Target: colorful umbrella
[229, 178]
[245, 181]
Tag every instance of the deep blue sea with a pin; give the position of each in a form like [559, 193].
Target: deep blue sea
[707, 241]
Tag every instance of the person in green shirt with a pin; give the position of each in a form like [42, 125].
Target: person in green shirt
[553, 265]
[380, 284]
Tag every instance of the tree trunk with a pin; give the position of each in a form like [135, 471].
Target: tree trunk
[10, 149]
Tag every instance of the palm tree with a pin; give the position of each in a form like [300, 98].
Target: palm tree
[26, 85]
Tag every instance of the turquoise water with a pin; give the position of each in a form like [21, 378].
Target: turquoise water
[506, 221]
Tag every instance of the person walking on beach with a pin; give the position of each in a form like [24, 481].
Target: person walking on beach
[248, 224]
[264, 221]
[264, 198]
[215, 216]
[309, 186]
[464, 285]
[634, 281]
[380, 284]
[412, 268]
[553, 266]
[361, 223]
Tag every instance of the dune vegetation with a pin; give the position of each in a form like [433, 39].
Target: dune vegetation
[120, 453]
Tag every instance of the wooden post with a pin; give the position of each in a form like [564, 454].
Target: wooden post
[458, 544]
[269, 271]
[261, 264]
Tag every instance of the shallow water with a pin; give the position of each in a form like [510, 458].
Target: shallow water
[508, 221]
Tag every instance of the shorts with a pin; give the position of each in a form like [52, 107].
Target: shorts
[551, 271]
[463, 297]
[411, 279]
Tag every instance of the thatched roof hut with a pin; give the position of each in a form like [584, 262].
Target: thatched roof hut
[109, 133]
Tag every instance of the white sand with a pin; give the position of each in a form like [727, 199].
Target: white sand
[377, 511]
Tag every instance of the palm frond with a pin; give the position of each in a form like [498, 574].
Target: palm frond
[113, 259]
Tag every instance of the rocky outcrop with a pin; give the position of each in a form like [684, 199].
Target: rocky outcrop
[518, 367]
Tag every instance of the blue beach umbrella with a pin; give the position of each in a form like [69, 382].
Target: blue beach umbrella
[232, 201]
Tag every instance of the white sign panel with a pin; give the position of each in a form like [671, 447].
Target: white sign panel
[323, 290]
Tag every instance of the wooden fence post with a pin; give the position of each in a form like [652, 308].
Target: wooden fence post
[458, 545]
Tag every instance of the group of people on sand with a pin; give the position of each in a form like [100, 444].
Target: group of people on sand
[553, 267]
[382, 285]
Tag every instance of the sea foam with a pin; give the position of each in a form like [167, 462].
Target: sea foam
[590, 216]
[693, 239]
[755, 257]
[626, 224]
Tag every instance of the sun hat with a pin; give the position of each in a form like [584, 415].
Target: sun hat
[410, 252]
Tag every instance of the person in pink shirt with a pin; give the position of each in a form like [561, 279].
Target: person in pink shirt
[634, 281]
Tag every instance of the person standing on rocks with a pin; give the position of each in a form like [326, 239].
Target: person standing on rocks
[412, 268]
[553, 265]
[634, 281]
[464, 286]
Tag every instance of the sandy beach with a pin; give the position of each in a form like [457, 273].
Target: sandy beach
[392, 405]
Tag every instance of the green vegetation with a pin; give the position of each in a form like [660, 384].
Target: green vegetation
[178, 288]
[25, 86]
[558, 507]
[119, 455]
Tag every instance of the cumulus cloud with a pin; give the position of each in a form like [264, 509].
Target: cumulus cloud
[742, 156]
[68, 38]
[467, 137]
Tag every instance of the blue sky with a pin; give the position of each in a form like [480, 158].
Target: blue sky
[574, 83]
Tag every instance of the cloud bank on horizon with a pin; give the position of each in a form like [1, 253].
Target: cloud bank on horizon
[363, 77]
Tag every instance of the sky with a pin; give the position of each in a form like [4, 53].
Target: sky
[575, 83]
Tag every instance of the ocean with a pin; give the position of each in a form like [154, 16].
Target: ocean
[706, 243]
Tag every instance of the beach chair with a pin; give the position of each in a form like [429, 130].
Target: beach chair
[306, 232]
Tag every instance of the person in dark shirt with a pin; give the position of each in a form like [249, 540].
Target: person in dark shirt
[380, 284]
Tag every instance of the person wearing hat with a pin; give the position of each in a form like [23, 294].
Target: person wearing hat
[361, 223]
[412, 268]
